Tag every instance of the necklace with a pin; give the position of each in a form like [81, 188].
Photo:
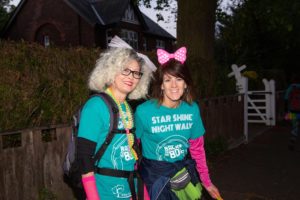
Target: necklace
[127, 122]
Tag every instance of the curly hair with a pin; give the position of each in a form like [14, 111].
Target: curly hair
[110, 63]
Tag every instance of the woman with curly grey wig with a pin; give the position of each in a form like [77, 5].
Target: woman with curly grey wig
[121, 73]
[111, 63]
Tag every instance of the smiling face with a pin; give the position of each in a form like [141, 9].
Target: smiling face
[126, 81]
[173, 88]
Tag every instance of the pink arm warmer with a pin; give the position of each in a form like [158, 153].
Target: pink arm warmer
[146, 195]
[89, 185]
[198, 154]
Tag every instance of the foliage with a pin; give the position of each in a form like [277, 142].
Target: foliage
[5, 4]
[250, 74]
[163, 5]
[263, 34]
[46, 194]
[222, 84]
[160, 6]
[214, 147]
[44, 86]
[41, 86]
[5, 10]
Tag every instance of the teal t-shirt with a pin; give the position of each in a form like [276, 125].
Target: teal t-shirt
[164, 132]
[94, 126]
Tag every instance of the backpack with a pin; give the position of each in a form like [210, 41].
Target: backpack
[294, 100]
[71, 170]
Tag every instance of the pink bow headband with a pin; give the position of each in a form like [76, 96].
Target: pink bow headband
[164, 56]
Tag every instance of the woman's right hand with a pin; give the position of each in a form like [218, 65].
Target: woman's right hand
[214, 192]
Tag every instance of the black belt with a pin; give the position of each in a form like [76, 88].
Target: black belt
[130, 175]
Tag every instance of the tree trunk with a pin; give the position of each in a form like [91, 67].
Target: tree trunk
[195, 30]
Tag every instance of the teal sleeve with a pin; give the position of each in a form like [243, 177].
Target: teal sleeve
[197, 128]
[138, 123]
[94, 119]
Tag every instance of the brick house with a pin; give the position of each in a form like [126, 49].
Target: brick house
[90, 23]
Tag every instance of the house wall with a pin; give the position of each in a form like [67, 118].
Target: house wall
[40, 17]
[65, 27]
[151, 43]
[151, 39]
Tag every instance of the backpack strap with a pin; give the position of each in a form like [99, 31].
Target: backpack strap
[129, 175]
[114, 116]
[114, 119]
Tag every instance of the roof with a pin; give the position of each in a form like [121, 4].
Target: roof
[104, 12]
[155, 29]
[100, 12]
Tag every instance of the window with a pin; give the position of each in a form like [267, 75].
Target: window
[144, 44]
[130, 16]
[130, 37]
[109, 36]
[46, 41]
[160, 44]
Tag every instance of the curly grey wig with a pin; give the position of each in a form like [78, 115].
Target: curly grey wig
[110, 63]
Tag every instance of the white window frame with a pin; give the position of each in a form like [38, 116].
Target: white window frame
[109, 36]
[144, 44]
[130, 16]
[160, 44]
[46, 39]
[131, 37]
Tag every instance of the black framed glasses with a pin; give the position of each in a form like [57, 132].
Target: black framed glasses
[135, 74]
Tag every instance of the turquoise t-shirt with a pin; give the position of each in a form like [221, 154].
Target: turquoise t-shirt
[164, 132]
[94, 126]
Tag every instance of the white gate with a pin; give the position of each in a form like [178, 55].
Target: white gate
[259, 106]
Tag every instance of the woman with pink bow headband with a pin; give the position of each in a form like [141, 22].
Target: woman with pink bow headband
[171, 131]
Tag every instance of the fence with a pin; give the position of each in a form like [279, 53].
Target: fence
[31, 163]
[259, 106]
[31, 159]
[223, 117]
